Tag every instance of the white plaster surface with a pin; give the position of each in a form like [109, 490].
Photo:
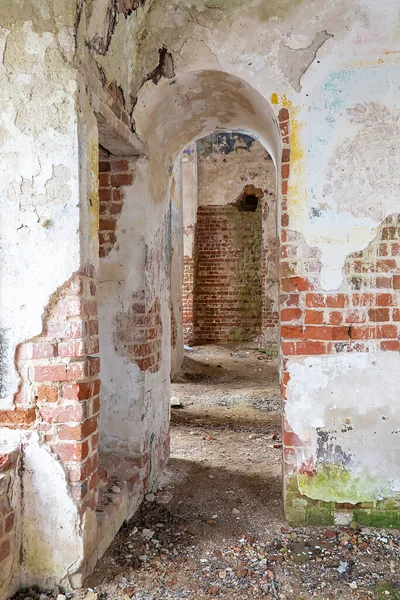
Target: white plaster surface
[134, 403]
[354, 398]
[38, 185]
[176, 216]
[51, 538]
[229, 67]
[355, 66]
[190, 196]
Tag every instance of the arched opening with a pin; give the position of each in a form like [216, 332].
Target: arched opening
[227, 390]
[135, 277]
[140, 274]
[230, 273]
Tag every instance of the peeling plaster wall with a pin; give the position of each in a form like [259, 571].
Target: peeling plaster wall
[135, 402]
[52, 546]
[238, 161]
[182, 70]
[39, 186]
[338, 413]
[339, 86]
[48, 180]
[297, 54]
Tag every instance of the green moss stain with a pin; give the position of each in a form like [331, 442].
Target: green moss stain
[38, 556]
[300, 509]
[385, 592]
[247, 231]
[334, 482]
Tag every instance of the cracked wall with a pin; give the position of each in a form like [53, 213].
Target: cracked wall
[149, 78]
[303, 57]
[134, 323]
[39, 196]
[46, 187]
[337, 94]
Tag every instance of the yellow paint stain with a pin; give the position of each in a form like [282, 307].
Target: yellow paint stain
[387, 57]
[283, 101]
[297, 202]
[93, 175]
[297, 199]
[296, 151]
[297, 196]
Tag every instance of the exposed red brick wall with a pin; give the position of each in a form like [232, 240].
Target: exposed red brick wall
[59, 395]
[9, 543]
[114, 174]
[187, 298]
[138, 333]
[114, 94]
[318, 322]
[228, 273]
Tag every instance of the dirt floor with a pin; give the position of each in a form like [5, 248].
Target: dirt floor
[214, 525]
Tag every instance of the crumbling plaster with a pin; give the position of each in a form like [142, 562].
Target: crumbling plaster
[313, 40]
[52, 544]
[331, 94]
[338, 412]
[43, 179]
[318, 40]
[222, 176]
[217, 76]
[135, 404]
[39, 194]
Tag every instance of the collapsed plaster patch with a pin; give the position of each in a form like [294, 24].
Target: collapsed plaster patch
[102, 26]
[165, 67]
[294, 62]
[39, 188]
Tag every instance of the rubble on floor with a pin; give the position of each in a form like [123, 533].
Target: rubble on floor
[213, 525]
[156, 557]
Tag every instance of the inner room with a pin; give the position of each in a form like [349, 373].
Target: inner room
[225, 394]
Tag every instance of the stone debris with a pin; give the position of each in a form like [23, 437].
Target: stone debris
[157, 557]
[175, 402]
